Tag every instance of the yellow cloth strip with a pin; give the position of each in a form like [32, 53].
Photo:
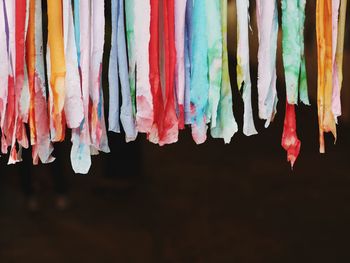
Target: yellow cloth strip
[325, 69]
[58, 64]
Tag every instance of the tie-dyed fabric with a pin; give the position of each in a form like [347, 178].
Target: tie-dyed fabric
[7, 92]
[180, 73]
[98, 127]
[73, 106]
[57, 69]
[170, 121]
[293, 19]
[226, 125]
[80, 153]
[199, 72]
[91, 136]
[214, 35]
[338, 65]
[165, 126]
[168, 68]
[4, 66]
[267, 20]
[144, 103]
[243, 68]
[324, 34]
[188, 55]
[154, 75]
[118, 70]
[18, 90]
[39, 122]
[130, 37]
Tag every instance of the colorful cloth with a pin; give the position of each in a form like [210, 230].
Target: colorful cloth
[199, 72]
[144, 103]
[118, 66]
[180, 73]
[267, 20]
[293, 19]
[324, 34]
[56, 69]
[243, 69]
[226, 125]
[338, 65]
[39, 123]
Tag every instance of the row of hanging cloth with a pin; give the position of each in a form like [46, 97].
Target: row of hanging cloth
[169, 63]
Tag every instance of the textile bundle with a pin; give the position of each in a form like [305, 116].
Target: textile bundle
[168, 68]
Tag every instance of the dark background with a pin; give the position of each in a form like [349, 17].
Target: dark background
[185, 203]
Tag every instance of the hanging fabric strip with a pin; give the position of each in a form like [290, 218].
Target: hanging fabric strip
[144, 104]
[98, 126]
[180, 27]
[293, 19]
[39, 123]
[325, 68]
[213, 15]
[80, 153]
[290, 141]
[154, 75]
[338, 66]
[226, 125]
[4, 66]
[267, 20]
[113, 117]
[170, 122]
[130, 37]
[188, 56]
[119, 64]
[73, 107]
[57, 69]
[199, 72]
[243, 68]
[335, 81]
[9, 110]
[20, 90]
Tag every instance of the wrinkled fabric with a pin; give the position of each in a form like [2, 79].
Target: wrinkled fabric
[162, 61]
[170, 121]
[335, 83]
[9, 107]
[226, 125]
[98, 132]
[4, 66]
[154, 75]
[73, 105]
[188, 56]
[180, 82]
[293, 19]
[130, 37]
[39, 123]
[290, 141]
[56, 69]
[214, 38]
[199, 72]
[243, 69]
[144, 104]
[80, 152]
[338, 65]
[118, 66]
[18, 90]
[325, 69]
[267, 21]
[91, 136]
